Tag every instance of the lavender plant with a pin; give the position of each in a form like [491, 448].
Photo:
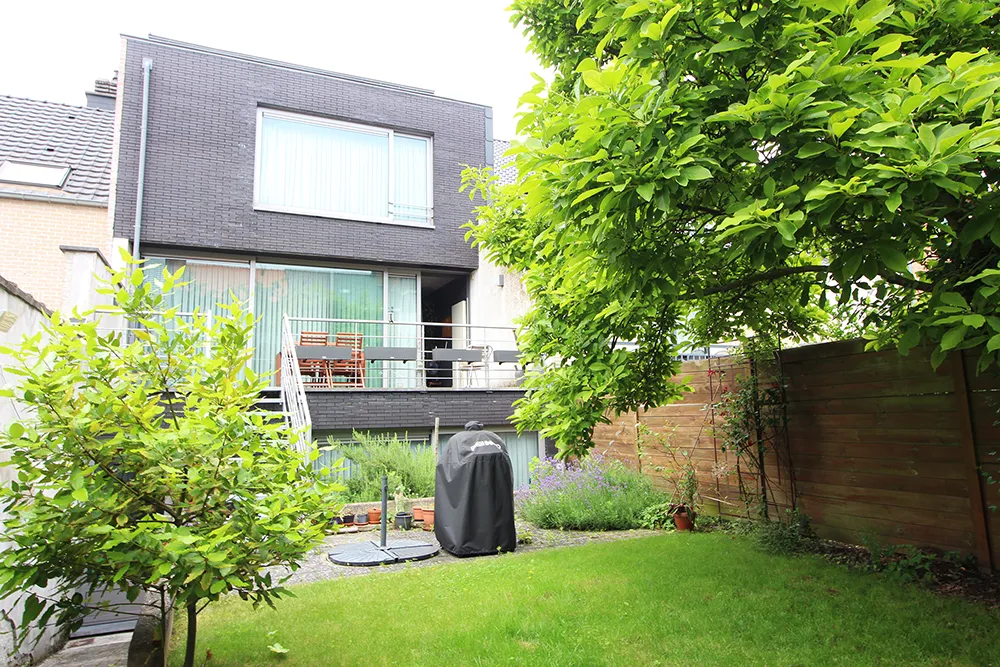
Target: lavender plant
[595, 493]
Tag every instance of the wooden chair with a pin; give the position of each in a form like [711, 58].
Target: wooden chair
[315, 372]
[352, 369]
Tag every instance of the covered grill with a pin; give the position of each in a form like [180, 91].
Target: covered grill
[474, 494]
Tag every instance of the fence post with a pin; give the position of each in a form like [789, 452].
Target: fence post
[968, 445]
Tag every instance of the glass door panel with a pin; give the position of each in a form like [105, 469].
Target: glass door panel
[401, 307]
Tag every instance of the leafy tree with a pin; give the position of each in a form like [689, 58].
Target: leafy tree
[721, 169]
[145, 466]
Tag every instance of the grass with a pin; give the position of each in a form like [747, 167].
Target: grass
[678, 599]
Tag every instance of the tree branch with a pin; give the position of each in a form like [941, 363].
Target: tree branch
[783, 271]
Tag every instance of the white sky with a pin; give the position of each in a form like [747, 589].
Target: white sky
[462, 49]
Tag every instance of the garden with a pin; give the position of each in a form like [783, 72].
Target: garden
[770, 174]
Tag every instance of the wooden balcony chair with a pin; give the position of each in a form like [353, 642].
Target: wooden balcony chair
[353, 369]
[315, 372]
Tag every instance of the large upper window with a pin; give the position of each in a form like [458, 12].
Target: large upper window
[315, 166]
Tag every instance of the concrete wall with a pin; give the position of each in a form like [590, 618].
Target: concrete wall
[29, 321]
[31, 233]
[201, 151]
[493, 305]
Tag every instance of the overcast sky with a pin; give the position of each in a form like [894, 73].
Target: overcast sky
[462, 49]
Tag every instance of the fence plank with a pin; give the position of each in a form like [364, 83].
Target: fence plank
[978, 514]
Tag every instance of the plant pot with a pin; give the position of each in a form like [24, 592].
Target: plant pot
[360, 519]
[375, 516]
[404, 521]
[418, 513]
[428, 519]
[347, 519]
[682, 521]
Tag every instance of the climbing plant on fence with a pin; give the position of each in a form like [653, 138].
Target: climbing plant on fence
[750, 424]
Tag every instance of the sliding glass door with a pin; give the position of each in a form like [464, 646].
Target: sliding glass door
[315, 295]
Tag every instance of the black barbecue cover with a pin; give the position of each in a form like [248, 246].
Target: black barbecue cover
[474, 495]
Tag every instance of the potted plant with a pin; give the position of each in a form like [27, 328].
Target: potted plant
[404, 519]
[683, 517]
[418, 513]
[428, 519]
[347, 519]
[361, 519]
[375, 515]
[681, 476]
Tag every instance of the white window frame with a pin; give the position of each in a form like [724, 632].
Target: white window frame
[36, 165]
[354, 127]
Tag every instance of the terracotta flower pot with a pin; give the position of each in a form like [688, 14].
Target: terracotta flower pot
[682, 521]
[428, 519]
[375, 516]
[418, 513]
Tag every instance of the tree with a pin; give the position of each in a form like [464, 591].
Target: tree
[720, 169]
[144, 465]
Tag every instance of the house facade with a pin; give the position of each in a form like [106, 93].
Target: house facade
[55, 180]
[330, 204]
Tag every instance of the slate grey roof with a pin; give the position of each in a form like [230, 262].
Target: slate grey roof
[64, 135]
[503, 167]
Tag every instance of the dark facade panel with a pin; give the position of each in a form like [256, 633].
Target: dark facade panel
[201, 149]
[358, 409]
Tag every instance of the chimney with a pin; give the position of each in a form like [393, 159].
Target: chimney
[103, 94]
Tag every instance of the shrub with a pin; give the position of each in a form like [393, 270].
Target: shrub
[374, 455]
[595, 493]
[785, 537]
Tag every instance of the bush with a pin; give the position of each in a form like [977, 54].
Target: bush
[596, 493]
[406, 465]
[785, 537]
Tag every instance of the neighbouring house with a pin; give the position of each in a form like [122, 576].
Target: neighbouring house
[330, 203]
[21, 315]
[55, 178]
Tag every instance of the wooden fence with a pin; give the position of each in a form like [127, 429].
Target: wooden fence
[876, 443]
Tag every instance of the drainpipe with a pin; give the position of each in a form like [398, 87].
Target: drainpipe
[147, 67]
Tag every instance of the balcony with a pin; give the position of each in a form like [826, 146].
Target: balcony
[386, 355]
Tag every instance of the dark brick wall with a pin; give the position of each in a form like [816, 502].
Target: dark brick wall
[200, 160]
[408, 409]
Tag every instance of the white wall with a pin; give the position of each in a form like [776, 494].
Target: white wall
[29, 321]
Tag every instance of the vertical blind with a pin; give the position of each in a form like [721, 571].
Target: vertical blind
[313, 293]
[321, 167]
[320, 293]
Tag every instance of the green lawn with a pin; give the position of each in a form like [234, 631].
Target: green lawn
[677, 599]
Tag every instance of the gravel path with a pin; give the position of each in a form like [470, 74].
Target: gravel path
[317, 566]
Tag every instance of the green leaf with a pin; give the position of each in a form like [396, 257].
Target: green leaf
[277, 648]
[811, 149]
[993, 344]
[696, 173]
[16, 430]
[908, 341]
[953, 337]
[80, 494]
[953, 299]
[893, 201]
[590, 193]
[217, 587]
[893, 258]
[975, 320]
[645, 191]
[977, 228]
[727, 45]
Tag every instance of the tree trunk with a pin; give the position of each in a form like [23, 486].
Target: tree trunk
[192, 634]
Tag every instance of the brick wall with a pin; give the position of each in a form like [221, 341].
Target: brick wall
[200, 159]
[378, 409]
[30, 235]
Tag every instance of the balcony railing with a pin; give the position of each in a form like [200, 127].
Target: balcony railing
[391, 355]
